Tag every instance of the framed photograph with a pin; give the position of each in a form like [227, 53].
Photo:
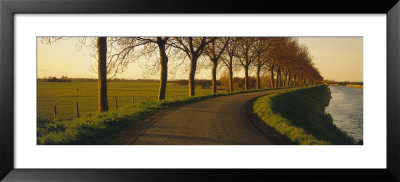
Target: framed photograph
[131, 90]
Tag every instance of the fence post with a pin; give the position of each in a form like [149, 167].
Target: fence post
[77, 109]
[133, 100]
[116, 102]
[55, 112]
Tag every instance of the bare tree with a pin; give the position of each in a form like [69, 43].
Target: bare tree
[161, 42]
[292, 55]
[193, 47]
[228, 57]
[262, 51]
[246, 54]
[274, 62]
[285, 55]
[110, 58]
[101, 47]
[147, 45]
[292, 62]
[214, 51]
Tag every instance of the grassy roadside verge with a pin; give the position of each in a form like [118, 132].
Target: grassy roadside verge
[300, 115]
[93, 128]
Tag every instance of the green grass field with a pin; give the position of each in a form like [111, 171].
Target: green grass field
[94, 128]
[64, 96]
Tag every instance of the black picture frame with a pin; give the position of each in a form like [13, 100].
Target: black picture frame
[9, 8]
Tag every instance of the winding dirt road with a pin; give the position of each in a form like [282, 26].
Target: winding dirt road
[215, 121]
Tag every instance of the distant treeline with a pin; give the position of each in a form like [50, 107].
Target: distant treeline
[66, 79]
[201, 82]
[332, 82]
[55, 79]
[238, 83]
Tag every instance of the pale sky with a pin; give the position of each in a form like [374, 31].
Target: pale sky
[337, 58]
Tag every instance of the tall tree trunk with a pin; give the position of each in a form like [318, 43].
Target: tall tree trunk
[102, 74]
[278, 77]
[231, 78]
[258, 77]
[298, 83]
[163, 69]
[290, 79]
[214, 76]
[193, 67]
[272, 77]
[246, 77]
[286, 79]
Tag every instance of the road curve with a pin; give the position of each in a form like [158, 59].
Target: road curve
[214, 121]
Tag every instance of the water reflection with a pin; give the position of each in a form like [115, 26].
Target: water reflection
[346, 109]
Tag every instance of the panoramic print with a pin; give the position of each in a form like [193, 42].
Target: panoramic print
[199, 91]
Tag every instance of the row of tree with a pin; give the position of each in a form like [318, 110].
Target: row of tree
[55, 79]
[287, 61]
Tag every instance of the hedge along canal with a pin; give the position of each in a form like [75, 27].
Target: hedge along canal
[300, 115]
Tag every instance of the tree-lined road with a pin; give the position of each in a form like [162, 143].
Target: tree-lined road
[220, 120]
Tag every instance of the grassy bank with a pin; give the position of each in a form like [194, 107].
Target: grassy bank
[300, 115]
[93, 128]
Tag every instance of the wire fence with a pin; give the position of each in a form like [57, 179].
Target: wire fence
[70, 107]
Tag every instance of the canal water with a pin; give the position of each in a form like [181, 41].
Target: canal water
[346, 109]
